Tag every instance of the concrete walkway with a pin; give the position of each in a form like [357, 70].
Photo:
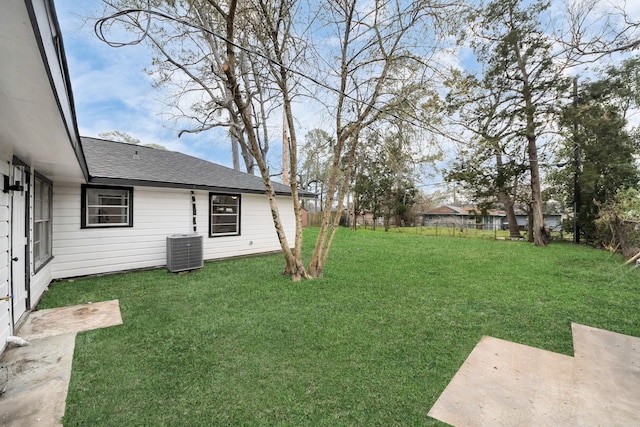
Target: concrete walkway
[506, 384]
[39, 373]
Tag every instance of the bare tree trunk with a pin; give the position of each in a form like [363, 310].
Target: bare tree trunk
[245, 113]
[277, 22]
[235, 154]
[354, 223]
[540, 236]
[291, 264]
[298, 267]
[507, 200]
[328, 225]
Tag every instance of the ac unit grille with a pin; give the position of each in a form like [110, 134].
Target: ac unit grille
[184, 252]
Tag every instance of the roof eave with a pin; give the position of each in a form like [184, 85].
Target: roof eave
[158, 184]
[67, 108]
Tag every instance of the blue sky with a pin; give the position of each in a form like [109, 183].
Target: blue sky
[113, 93]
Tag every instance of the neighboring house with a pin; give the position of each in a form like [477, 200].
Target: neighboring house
[552, 221]
[470, 216]
[72, 206]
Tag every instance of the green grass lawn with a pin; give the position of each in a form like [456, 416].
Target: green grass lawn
[373, 343]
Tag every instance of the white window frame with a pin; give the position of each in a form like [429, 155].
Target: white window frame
[224, 211]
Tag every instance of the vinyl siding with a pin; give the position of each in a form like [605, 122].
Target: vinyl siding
[5, 306]
[157, 213]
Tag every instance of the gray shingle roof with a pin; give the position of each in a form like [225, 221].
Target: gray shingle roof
[119, 163]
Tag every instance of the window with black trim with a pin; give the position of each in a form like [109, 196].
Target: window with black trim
[224, 210]
[42, 229]
[107, 206]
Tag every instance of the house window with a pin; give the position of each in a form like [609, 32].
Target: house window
[104, 206]
[42, 230]
[225, 215]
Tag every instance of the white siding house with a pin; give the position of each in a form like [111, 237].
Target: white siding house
[157, 214]
[72, 206]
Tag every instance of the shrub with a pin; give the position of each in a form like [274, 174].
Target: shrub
[618, 225]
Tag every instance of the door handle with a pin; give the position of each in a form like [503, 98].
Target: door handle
[14, 259]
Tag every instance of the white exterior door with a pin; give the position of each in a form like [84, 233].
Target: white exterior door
[18, 253]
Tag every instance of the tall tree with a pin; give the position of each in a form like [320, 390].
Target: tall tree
[490, 164]
[518, 58]
[228, 11]
[374, 42]
[273, 29]
[599, 148]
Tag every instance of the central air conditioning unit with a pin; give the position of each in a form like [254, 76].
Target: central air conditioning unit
[184, 252]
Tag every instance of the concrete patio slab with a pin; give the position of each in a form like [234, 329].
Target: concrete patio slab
[39, 377]
[607, 376]
[39, 373]
[505, 384]
[74, 319]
